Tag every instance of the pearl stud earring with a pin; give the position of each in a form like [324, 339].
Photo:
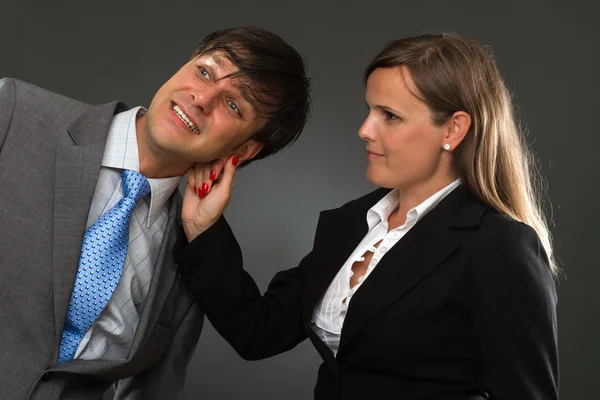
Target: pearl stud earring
[446, 146]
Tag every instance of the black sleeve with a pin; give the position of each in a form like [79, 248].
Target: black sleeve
[256, 326]
[514, 314]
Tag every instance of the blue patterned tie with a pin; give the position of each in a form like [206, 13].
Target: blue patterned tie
[101, 263]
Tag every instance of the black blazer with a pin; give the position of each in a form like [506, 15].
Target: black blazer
[463, 305]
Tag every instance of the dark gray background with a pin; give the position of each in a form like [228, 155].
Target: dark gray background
[101, 51]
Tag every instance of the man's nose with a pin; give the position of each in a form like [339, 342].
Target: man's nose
[205, 97]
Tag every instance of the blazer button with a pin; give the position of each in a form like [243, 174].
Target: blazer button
[47, 376]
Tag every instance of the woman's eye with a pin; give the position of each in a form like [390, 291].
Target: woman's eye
[389, 115]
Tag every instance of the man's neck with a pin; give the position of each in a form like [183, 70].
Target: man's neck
[153, 164]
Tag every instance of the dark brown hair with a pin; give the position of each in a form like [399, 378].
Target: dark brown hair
[274, 74]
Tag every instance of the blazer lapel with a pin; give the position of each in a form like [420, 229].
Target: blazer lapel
[78, 161]
[341, 231]
[163, 277]
[415, 256]
[162, 280]
[340, 241]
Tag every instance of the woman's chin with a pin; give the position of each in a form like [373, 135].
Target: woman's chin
[374, 177]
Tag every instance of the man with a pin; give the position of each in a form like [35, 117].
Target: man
[89, 293]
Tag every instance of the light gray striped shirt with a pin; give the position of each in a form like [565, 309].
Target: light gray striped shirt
[111, 336]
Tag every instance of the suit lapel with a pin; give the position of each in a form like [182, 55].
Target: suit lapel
[413, 258]
[163, 276]
[162, 280]
[78, 161]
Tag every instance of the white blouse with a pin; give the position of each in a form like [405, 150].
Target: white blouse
[328, 316]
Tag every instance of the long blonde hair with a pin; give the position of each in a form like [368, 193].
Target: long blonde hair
[453, 73]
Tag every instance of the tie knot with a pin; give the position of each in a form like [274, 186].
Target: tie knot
[135, 185]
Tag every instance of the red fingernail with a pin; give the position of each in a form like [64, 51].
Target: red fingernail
[199, 192]
[202, 194]
[205, 188]
[235, 160]
[213, 175]
[194, 189]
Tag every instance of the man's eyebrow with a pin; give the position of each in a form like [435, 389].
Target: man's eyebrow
[243, 88]
[218, 60]
[248, 96]
[244, 91]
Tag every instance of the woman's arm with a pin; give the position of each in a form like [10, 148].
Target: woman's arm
[513, 299]
[256, 326]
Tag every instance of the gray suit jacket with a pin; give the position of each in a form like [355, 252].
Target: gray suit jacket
[51, 149]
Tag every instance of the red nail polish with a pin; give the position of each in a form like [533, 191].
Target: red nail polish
[213, 175]
[202, 194]
[205, 188]
[195, 191]
[199, 193]
[235, 160]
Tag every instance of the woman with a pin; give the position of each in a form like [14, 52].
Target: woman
[439, 286]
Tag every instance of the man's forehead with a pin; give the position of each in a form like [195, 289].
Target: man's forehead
[219, 58]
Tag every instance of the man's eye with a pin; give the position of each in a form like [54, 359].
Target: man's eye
[204, 72]
[234, 107]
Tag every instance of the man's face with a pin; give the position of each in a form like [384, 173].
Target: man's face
[196, 116]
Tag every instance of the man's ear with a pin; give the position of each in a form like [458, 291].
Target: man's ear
[248, 150]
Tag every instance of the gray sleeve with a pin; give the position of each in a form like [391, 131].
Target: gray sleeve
[7, 106]
[165, 379]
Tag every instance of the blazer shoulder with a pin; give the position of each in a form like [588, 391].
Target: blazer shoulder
[26, 89]
[7, 99]
[510, 247]
[34, 101]
[7, 87]
[504, 227]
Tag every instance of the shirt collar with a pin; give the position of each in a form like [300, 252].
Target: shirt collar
[384, 207]
[121, 152]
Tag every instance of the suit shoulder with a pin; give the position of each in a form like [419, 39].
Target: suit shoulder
[504, 227]
[7, 93]
[7, 84]
[44, 104]
[29, 90]
[507, 247]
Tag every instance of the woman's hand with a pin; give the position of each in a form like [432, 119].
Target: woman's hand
[207, 194]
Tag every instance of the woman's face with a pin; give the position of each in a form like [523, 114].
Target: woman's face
[404, 146]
